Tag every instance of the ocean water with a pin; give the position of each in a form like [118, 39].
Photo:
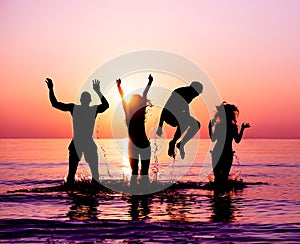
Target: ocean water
[35, 208]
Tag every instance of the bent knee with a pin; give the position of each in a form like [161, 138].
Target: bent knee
[198, 124]
[195, 123]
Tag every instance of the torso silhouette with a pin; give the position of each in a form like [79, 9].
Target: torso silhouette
[178, 103]
[135, 111]
[225, 133]
[136, 128]
[84, 121]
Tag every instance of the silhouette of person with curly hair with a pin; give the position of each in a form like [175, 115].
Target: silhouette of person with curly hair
[223, 129]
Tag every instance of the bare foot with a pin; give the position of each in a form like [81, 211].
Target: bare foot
[181, 150]
[171, 150]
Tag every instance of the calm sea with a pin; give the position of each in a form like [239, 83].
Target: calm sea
[266, 209]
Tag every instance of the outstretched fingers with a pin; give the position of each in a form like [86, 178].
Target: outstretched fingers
[96, 85]
[246, 125]
[96, 82]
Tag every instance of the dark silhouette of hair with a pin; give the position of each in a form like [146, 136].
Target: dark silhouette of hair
[224, 132]
[231, 112]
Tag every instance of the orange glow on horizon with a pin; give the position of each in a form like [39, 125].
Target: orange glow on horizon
[250, 54]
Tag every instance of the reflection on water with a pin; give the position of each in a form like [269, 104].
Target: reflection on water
[266, 209]
[169, 205]
[83, 207]
[139, 206]
[178, 206]
[222, 208]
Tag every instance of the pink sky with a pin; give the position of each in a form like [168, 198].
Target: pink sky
[249, 49]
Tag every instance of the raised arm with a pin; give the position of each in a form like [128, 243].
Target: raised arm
[238, 136]
[210, 130]
[118, 81]
[58, 105]
[104, 104]
[150, 78]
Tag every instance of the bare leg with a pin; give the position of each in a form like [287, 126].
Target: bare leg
[160, 125]
[179, 131]
[133, 180]
[172, 143]
[227, 166]
[134, 164]
[145, 167]
[144, 180]
[73, 163]
[94, 170]
[192, 130]
[145, 160]
[91, 157]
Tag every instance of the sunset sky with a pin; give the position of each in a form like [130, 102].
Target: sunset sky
[249, 49]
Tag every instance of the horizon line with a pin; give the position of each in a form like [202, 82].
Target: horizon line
[70, 138]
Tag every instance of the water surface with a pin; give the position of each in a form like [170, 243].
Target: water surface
[265, 210]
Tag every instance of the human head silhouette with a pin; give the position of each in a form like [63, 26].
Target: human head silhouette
[230, 115]
[85, 98]
[198, 87]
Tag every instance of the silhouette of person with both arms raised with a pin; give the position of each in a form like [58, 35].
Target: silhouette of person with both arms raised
[223, 129]
[83, 117]
[138, 144]
[177, 114]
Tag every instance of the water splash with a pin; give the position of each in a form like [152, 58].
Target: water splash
[173, 161]
[156, 149]
[126, 174]
[82, 177]
[155, 167]
[236, 172]
[79, 177]
[105, 161]
[101, 148]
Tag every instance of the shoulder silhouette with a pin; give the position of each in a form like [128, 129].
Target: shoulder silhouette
[83, 117]
[176, 113]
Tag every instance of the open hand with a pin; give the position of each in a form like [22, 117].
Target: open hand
[245, 125]
[49, 83]
[96, 85]
[118, 81]
[150, 78]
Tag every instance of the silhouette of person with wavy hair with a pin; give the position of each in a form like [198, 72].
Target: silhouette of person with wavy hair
[223, 129]
[176, 113]
[138, 144]
[83, 117]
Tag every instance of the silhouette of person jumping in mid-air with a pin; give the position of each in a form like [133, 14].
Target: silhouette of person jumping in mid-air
[223, 129]
[177, 114]
[83, 117]
[138, 144]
